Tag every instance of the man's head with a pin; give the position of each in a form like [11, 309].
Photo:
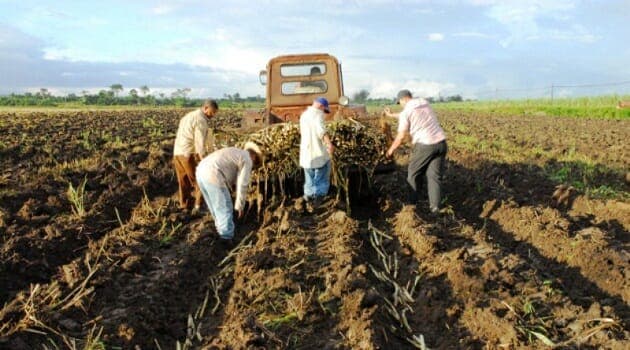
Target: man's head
[210, 108]
[322, 104]
[255, 153]
[315, 71]
[403, 97]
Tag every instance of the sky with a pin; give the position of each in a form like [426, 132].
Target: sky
[475, 48]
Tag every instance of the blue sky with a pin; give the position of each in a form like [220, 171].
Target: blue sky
[468, 47]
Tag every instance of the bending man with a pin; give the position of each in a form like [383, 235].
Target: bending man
[220, 171]
[429, 146]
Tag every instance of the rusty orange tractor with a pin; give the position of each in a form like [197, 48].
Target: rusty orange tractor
[293, 82]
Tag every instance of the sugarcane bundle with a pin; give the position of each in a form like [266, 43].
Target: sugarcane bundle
[356, 144]
[280, 144]
[357, 147]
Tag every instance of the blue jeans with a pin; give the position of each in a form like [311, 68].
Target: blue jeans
[219, 202]
[317, 181]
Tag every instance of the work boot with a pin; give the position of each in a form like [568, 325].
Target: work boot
[226, 244]
[309, 207]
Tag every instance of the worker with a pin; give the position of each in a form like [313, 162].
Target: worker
[220, 171]
[189, 149]
[429, 146]
[316, 149]
[312, 86]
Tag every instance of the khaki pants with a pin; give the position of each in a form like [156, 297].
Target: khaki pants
[185, 169]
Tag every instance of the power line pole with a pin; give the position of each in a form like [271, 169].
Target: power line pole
[552, 93]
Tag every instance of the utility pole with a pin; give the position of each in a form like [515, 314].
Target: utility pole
[551, 93]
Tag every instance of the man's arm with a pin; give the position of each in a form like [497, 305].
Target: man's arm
[397, 142]
[242, 184]
[329, 145]
[388, 112]
[323, 134]
[200, 134]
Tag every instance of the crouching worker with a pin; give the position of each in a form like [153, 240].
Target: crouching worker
[220, 171]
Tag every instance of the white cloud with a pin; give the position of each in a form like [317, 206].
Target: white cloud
[162, 9]
[420, 88]
[536, 20]
[472, 35]
[435, 37]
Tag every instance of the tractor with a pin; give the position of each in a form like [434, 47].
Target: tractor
[293, 82]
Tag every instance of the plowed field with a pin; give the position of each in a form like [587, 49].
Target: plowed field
[531, 250]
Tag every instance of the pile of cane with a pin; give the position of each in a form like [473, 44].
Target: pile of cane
[357, 147]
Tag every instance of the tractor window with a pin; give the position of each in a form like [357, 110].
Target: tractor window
[304, 87]
[294, 70]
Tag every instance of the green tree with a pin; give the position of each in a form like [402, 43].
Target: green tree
[144, 89]
[116, 88]
[361, 96]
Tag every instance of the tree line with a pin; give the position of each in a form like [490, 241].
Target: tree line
[113, 96]
[362, 96]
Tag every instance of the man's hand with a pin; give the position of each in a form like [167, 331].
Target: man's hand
[240, 214]
[387, 110]
[389, 153]
[330, 148]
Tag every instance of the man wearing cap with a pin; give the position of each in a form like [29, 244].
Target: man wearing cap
[220, 171]
[315, 151]
[429, 146]
[189, 149]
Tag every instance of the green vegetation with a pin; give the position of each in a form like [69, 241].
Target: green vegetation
[591, 107]
[114, 96]
[76, 196]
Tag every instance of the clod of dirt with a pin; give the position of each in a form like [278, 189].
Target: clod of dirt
[370, 299]
[28, 209]
[562, 194]
[339, 217]
[285, 224]
[3, 218]
[70, 325]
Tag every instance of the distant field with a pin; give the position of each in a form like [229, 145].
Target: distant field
[601, 107]
[589, 107]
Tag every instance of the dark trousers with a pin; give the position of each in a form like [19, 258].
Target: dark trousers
[427, 160]
[185, 167]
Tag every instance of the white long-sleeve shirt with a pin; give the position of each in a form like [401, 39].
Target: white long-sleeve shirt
[225, 168]
[191, 134]
[313, 152]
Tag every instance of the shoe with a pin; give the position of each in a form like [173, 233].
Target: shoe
[317, 201]
[226, 243]
[309, 207]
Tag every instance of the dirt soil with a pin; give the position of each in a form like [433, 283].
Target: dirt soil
[513, 260]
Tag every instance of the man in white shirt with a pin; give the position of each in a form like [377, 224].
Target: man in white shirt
[220, 171]
[189, 149]
[429, 146]
[315, 151]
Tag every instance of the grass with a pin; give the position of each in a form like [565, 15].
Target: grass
[600, 107]
[76, 196]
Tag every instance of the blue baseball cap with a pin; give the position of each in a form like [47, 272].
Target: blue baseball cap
[323, 102]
